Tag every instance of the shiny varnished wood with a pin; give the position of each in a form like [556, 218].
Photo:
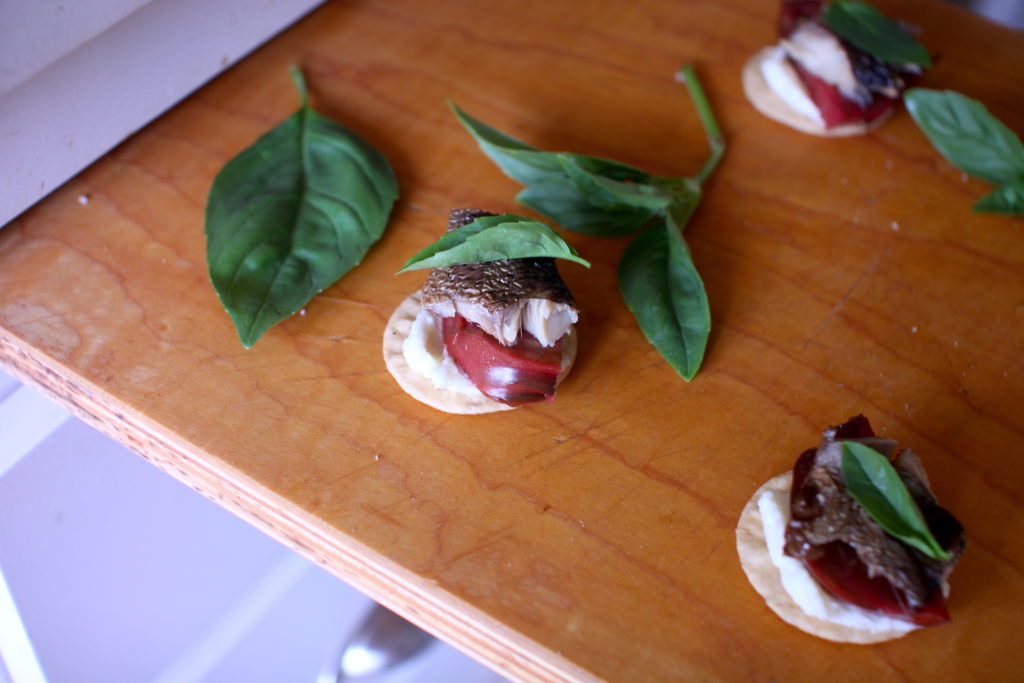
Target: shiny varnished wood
[591, 537]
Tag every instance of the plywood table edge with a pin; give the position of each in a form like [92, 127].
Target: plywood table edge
[417, 599]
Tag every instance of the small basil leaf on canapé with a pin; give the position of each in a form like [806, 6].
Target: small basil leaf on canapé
[494, 238]
[873, 32]
[874, 483]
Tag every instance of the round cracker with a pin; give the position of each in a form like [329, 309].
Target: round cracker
[421, 388]
[764, 576]
[755, 87]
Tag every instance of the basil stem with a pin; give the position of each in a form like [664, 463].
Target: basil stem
[873, 482]
[606, 198]
[291, 214]
[707, 119]
[494, 238]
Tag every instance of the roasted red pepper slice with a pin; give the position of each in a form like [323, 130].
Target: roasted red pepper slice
[836, 109]
[522, 373]
[857, 427]
[842, 573]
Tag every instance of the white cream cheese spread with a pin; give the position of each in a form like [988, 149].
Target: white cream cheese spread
[783, 80]
[805, 591]
[820, 52]
[425, 353]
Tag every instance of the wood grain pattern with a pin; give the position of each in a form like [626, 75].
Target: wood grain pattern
[592, 537]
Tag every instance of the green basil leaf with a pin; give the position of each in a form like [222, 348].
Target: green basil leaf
[494, 238]
[873, 32]
[529, 165]
[967, 134]
[517, 159]
[613, 195]
[559, 200]
[549, 191]
[291, 214]
[873, 482]
[660, 284]
[1008, 199]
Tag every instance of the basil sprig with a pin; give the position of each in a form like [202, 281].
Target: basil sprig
[291, 214]
[606, 198]
[873, 32]
[494, 238]
[975, 141]
[873, 482]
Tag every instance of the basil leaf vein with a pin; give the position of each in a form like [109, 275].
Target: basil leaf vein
[967, 134]
[291, 214]
[873, 32]
[494, 238]
[608, 194]
[561, 201]
[873, 482]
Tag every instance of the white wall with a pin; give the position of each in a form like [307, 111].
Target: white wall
[79, 76]
[118, 573]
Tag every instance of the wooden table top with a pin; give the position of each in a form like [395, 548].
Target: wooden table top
[590, 537]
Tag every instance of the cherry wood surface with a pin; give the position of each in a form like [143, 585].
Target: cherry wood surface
[591, 537]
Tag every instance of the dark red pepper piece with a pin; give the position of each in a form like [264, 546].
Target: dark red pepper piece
[841, 572]
[522, 373]
[836, 109]
[793, 12]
